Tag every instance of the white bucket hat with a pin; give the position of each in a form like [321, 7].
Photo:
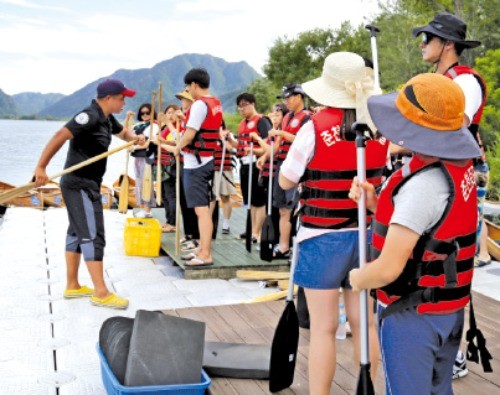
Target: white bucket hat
[344, 83]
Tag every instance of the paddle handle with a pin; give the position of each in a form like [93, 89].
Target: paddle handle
[270, 193]
[221, 170]
[178, 197]
[373, 41]
[250, 173]
[361, 173]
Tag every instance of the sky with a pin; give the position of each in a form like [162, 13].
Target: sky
[59, 46]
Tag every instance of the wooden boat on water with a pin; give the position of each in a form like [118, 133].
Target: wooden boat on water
[50, 196]
[132, 201]
[32, 198]
[493, 239]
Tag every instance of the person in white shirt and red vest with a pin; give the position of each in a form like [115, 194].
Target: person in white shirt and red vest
[424, 236]
[198, 144]
[323, 158]
[286, 200]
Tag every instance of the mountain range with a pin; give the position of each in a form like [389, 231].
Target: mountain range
[227, 80]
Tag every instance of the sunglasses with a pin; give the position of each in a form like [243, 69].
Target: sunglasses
[427, 38]
[145, 113]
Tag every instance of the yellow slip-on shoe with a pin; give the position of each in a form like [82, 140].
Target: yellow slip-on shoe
[113, 301]
[81, 292]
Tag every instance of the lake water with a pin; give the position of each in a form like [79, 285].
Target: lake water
[22, 145]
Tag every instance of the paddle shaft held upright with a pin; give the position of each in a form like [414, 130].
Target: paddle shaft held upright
[270, 194]
[373, 39]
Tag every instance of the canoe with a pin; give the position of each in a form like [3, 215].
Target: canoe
[52, 195]
[132, 202]
[32, 198]
[493, 239]
[107, 197]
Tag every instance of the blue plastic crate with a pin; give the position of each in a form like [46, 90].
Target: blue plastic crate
[113, 387]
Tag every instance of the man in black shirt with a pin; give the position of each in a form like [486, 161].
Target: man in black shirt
[89, 133]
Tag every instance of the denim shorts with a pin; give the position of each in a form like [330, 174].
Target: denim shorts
[326, 260]
[197, 185]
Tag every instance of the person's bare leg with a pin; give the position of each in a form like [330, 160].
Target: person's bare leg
[352, 308]
[227, 208]
[324, 315]
[483, 254]
[206, 228]
[96, 270]
[258, 217]
[285, 228]
[72, 266]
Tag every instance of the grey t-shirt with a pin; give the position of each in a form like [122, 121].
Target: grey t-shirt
[421, 202]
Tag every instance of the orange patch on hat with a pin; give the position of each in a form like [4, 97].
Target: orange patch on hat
[432, 101]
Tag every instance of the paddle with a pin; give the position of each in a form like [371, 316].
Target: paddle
[365, 385]
[123, 198]
[177, 196]
[147, 178]
[215, 212]
[248, 239]
[158, 152]
[286, 338]
[6, 196]
[267, 236]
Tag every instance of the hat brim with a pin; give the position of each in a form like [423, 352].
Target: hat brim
[429, 29]
[128, 93]
[180, 96]
[320, 91]
[457, 144]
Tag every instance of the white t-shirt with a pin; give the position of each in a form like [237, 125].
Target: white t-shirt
[472, 92]
[197, 115]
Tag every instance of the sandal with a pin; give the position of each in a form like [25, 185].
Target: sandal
[188, 257]
[198, 262]
[191, 245]
[167, 228]
[481, 263]
[281, 255]
[185, 240]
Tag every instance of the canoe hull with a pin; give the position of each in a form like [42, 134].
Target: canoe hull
[31, 198]
[493, 240]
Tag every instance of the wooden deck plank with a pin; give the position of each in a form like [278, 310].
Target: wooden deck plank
[228, 252]
[255, 324]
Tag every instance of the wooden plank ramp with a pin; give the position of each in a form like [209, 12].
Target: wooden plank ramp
[229, 253]
[255, 324]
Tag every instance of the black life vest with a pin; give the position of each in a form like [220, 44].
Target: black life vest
[329, 174]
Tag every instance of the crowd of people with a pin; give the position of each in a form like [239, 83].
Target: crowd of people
[424, 220]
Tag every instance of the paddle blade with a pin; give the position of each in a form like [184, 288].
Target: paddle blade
[147, 181]
[215, 220]
[123, 198]
[9, 195]
[248, 238]
[284, 350]
[267, 240]
[365, 385]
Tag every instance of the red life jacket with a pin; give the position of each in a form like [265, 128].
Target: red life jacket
[291, 123]
[454, 72]
[329, 174]
[205, 141]
[244, 129]
[227, 161]
[167, 158]
[267, 165]
[437, 277]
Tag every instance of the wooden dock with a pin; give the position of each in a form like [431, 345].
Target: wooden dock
[229, 253]
[255, 324]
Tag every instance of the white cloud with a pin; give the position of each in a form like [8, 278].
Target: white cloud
[64, 54]
[30, 4]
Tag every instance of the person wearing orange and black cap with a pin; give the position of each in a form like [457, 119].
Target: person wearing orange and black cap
[89, 134]
[424, 236]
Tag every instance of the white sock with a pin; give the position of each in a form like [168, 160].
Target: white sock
[225, 223]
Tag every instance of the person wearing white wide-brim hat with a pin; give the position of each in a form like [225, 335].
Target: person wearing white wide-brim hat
[324, 155]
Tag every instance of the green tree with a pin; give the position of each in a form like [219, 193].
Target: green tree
[265, 94]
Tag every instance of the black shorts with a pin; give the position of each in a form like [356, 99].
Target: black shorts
[284, 198]
[198, 185]
[86, 222]
[259, 195]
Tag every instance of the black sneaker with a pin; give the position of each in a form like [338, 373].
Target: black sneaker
[242, 236]
[225, 231]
